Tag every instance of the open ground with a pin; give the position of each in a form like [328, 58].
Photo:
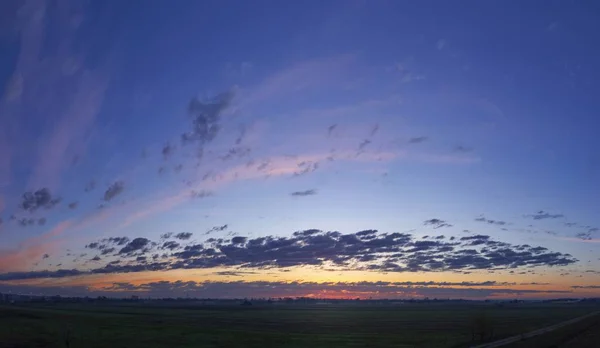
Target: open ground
[274, 325]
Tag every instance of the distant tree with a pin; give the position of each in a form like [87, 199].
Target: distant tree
[67, 336]
[482, 327]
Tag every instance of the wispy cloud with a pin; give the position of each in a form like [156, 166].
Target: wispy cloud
[308, 74]
[33, 248]
[304, 193]
[542, 215]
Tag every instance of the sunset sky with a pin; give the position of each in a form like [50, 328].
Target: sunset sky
[385, 149]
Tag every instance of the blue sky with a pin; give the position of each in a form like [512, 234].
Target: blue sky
[427, 119]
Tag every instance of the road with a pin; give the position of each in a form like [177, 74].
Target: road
[537, 332]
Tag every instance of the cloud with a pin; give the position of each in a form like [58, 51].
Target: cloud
[312, 74]
[462, 149]
[72, 130]
[407, 75]
[201, 194]
[266, 289]
[330, 129]
[205, 116]
[279, 166]
[417, 140]
[90, 186]
[73, 205]
[584, 235]
[367, 250]
[269, 289]
[114, 190]
[236, 152]
[24, 222]
[363, 144]
[170, 245]
[184, 235]
[234, 273]
[490, 221]
[47, 88]
[436, 223]
[32, 248]
[167, 150]
[542, 215]
[310, 192]
[238, 240]
[135, 245]
[217, 229]
[41, 198]
[585, 287]
[108, 245]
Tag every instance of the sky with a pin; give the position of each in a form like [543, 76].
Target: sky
[331, 149]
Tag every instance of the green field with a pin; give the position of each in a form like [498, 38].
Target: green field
[275, 325]
[583, 334]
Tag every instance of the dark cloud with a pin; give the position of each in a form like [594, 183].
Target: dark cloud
[330, 129]
[45, 256]
[236, 152]
[42, 198]
[374, 130]
[107, 251]
[136, 244]
[541, 215]
[367, 250]
[436, 223]
[240, 137]
[118, 240]
[24, 222]
[217, 229]
[167, 150]
[184, 235]
[310, 192]
[306, 167]
[170, 245]
[40, 274]
[73, 205]
[41, 221]
[96, 258]
[490, 221]
[106, 245]
[238, 240]
[114, 190]
[206, 117]
[417, 140]
[584, 235]
[364, 144]
[234, 273]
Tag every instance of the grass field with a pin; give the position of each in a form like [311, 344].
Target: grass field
[139, 325]
[584, 334]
